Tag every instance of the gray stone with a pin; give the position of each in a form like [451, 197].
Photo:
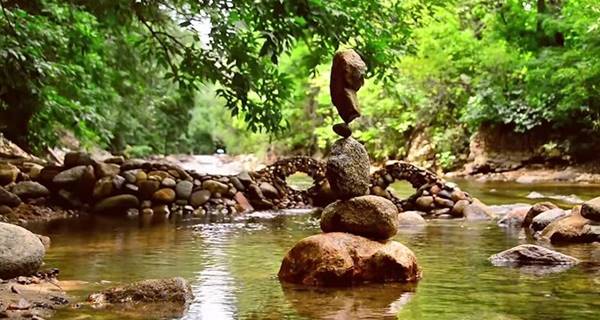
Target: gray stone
[70, 176]
[237, 184]
[591, 209]
[478, 211]
[444, 203]
[74, 159]
[348, 169]
[184, 189]
[368, 216]
[245, 177]
[8, 198]
[535, 210]
[268, 190]
[169, 183]
[21, 252]
[118, 203]
[199, 198]
[410, 218]
[30, 189]
[528, 254]
[543, 219]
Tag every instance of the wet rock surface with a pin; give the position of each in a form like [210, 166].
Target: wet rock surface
[529, 254]
[173, 290]
[342, 259]
[35, 297]
[369, 216]
[348, 169]
[21, 251]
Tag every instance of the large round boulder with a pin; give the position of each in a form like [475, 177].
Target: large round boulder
[348, 168]
[343, 259]
[21, 252]
[369, 216]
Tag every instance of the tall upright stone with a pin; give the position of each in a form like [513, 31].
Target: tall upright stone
[347, 76]
[348, 169]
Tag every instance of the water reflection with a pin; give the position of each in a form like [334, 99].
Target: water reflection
[360, 302]
[214, 287]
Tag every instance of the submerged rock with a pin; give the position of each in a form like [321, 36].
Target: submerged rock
[515, 217]
[528, 254]
[369, 216]
[343, 259]
[173, 290]
[478, 211]
[21, 252]
[348, 169]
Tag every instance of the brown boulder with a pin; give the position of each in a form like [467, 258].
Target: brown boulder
[410, 218]
[343, 259]
[572, 228]
[347, 76]
[369, 216]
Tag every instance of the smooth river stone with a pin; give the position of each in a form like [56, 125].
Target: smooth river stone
[21, 252]
[368, 216]
[348, 169]
[343, 259]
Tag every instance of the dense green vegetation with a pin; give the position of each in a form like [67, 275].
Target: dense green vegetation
[151, 76]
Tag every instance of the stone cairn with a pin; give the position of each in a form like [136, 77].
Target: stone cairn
[355, 245]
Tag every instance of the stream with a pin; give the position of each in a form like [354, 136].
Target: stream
[233, 267]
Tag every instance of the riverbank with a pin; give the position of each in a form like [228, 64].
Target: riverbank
[587, 173]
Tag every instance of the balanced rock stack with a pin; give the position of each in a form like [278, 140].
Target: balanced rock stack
[355, 245]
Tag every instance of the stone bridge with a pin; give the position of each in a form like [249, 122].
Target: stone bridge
[145, 187]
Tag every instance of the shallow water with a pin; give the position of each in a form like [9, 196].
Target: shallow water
[233, 267]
